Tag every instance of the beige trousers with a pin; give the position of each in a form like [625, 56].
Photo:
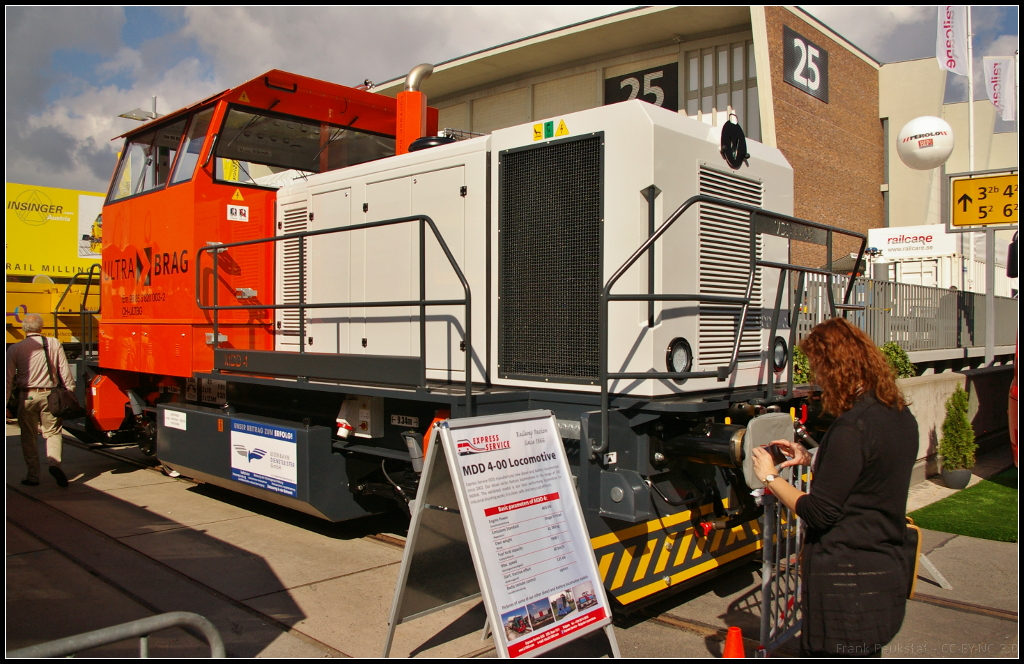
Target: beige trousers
[33, 416]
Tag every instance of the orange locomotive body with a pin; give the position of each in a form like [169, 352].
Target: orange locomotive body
[208, 174]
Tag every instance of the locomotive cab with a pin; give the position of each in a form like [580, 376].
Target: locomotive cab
[208, 174]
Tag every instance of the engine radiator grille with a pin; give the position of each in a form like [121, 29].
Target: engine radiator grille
[550, 212]
[295, 220]
[724, 238]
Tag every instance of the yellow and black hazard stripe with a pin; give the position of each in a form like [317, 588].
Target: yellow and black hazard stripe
[647, 558]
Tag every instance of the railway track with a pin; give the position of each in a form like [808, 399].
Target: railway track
[112, 452]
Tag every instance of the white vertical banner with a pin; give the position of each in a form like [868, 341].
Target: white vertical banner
[999, 81]
[951, 41]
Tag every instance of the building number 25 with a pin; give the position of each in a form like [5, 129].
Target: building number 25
[808, 54]
[632, 82]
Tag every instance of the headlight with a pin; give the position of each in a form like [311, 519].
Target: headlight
[780, 354]
[679, 357]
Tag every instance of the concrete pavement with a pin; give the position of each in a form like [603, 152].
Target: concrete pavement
[122, 543]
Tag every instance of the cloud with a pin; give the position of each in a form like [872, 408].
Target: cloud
[1004, 45]
[887, 33]
[68, 144]
[34, 33]
[348, 44]
[72, 71]
[125, 61]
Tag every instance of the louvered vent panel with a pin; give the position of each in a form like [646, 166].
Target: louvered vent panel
[296, 220]
[724, 268]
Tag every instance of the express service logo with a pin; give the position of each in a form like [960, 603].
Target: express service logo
[244, 452]
[481, 444]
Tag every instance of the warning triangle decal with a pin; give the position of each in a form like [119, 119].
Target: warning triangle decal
[237, 196]
[244, 97]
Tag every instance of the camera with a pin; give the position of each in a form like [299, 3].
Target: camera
[777, 455]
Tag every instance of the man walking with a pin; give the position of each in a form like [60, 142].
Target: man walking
[28, 371]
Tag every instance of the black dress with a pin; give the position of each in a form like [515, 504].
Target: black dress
[854, 568]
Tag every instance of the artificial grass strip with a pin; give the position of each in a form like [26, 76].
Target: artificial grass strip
[987, 510]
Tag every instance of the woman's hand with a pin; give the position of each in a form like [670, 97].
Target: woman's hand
[763, 464]
[799, 456]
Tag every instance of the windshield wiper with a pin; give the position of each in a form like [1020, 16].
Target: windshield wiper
[247, 125]
[337, 135]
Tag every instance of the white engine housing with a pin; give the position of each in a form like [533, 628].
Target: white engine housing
[601, 162]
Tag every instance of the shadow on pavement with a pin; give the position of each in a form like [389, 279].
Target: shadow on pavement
[74, 564]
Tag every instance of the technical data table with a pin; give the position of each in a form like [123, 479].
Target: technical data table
[529, 531]
[531, 541]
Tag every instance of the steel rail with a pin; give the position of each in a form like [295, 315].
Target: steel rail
[141, 628]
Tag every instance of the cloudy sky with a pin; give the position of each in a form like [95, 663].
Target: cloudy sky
[71, 70]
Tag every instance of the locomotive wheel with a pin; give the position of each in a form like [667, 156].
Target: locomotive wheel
[148, 448]
[147, 438]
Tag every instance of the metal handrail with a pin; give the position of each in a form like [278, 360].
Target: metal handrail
[141, 628]
[302, 306]
[95, 270]
[761, 221]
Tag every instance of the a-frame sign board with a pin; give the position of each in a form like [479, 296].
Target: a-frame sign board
[497, 516]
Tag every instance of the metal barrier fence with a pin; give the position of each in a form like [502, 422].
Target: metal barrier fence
[915, 317]
[140, 629]
[781, 586]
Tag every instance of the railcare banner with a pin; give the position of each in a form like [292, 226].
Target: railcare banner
[951, 40]
[497, 516]
[1000, 83]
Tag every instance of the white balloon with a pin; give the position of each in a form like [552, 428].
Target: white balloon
[925, 142]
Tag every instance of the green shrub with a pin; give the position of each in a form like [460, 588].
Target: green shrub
[898, 360]
[957, 446]
[896, 357]
[801, 367]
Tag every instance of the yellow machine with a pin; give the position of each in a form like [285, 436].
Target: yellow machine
[53, 237]
[44, 297]
[96, 238]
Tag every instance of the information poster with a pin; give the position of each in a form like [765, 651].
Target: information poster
[264, 455]
[541, 576]
[51, 231]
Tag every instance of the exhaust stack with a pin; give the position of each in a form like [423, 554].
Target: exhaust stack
[411, 122]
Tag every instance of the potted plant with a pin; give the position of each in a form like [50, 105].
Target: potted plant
[957, 446]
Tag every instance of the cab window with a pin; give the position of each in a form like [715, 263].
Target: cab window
[146, 161]
[193, 145]
[267, 150]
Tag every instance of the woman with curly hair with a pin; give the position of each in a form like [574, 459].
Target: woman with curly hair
[854, 568]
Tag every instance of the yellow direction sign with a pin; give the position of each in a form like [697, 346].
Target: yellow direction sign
[985, 201]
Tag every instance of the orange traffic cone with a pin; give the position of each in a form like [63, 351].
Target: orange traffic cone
[734, 643]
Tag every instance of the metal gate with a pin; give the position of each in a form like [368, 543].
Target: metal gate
[781, 583]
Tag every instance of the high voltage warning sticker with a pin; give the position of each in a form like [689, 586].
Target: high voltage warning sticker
[549, 130]
[985, 201]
